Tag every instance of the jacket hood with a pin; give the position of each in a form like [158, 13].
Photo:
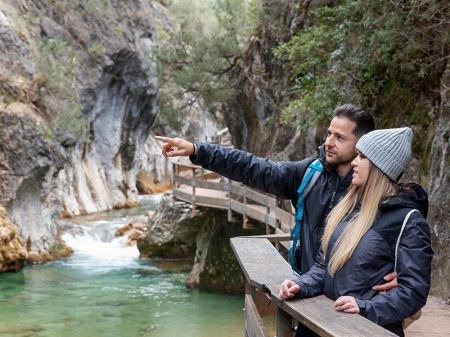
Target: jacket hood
[411, 196]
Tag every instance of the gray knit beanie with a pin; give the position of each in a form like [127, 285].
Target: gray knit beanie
[388, 149]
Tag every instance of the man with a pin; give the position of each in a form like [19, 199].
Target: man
[348, 124]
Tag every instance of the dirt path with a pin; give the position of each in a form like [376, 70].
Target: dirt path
[435, 320]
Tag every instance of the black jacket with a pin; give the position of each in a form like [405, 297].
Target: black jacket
[283, 180]
[374, 257]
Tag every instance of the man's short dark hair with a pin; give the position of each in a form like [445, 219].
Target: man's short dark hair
[364, 120]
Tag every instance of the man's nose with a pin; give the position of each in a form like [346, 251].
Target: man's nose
[329, 141]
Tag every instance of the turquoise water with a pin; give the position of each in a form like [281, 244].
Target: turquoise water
[105, 290]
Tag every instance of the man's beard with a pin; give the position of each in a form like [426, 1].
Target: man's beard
[337, 160]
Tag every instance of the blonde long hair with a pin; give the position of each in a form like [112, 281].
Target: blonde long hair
[377, 187]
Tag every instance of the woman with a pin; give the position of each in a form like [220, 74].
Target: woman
[359, 241]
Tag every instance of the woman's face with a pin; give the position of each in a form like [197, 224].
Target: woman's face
[361, 167]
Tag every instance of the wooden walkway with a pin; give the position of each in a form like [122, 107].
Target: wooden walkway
[199, 187]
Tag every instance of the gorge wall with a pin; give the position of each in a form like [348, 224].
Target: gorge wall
[265, 84]
[78, 100]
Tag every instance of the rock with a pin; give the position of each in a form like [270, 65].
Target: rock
[439, 213]
[139, 227]
[133, 238]
[122, 230]
[27, 179]
[39, 257]
[53, 30]
[215, 265]
[171, 231]
[12, 246]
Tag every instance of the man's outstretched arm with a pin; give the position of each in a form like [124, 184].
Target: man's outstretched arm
[279, 178]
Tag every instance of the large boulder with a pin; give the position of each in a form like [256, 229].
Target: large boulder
[171, 232]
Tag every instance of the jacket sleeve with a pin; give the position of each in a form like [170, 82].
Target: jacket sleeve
[413, 277]
[312, 282]
[279, 178]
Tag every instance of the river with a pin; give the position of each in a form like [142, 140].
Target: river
[104, 290]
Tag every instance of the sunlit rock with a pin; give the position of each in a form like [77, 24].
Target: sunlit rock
[12, 247]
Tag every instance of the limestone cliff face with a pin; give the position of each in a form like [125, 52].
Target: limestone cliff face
[78, 90]
[253, 117]
[60, 58]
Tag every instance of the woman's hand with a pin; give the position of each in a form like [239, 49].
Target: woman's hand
[288, 289]
[347, 304]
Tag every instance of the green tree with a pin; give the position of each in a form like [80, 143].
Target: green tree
[211, 40]
[379, 54]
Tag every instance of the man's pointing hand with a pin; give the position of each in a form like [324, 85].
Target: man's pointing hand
[175, 147]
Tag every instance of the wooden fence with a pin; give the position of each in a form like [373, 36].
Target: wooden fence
[204, 188]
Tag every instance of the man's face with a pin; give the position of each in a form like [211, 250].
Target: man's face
[340, 143]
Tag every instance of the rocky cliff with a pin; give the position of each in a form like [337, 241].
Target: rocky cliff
[265, 84]
[78, 100]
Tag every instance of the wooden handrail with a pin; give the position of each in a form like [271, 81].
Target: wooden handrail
[272, 215]
[265, 269]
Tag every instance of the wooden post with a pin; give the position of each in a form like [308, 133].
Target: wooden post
[277, 219]
[284, 324]
[228, 190]
[175, 172]
[244, 216]
[193, 191]
[266, 216]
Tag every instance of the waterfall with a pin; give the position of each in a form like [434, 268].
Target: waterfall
[94, 241]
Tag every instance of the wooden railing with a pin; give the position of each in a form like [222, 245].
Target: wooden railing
[200, 187]
[264, 269]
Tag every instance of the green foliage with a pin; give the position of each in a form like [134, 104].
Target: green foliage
[212, 38]
[57, 60]
[96, 49]
[379, 54]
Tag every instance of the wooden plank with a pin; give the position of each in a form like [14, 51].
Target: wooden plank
[260, 261]
[208, 175]
[284, 323]
[265, 269]
[254, 326]
[261, 198]
[212, 185]
[284, 244]
[185, 166]
[211, 201]
[318, 314]
[272, 237]
[263, 302]
[253, 211]
[201, 200]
